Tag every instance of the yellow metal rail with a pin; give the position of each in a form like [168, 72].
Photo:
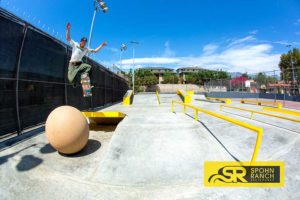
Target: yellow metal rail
[261, 103]
[185, 96]
[190, 92]
[258, 130]
[258, 112]
[283, 111]
[158, 97]
[127, 99]
[224, 100]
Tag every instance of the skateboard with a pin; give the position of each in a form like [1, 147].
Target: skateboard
[86, 85]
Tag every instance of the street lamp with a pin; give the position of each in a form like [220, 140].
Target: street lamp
[134, 43]
[292, 63]
[98, 4]
[122, 49]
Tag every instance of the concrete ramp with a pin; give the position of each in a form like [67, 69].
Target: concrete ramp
[161, 149]
[199, 97]
[167, 98]
[145, 99]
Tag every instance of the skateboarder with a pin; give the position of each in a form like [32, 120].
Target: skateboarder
[77, 66]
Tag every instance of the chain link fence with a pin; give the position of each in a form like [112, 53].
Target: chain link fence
[277, 85]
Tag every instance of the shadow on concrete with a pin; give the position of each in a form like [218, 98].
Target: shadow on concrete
[104, 128]
[47, 149]
[21, 138]
[28, 162]
[4, 159]
[91, 147]
[224, 147]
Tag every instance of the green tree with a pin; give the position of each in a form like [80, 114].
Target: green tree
[144, 77]
[170, 78]
[262, 79]
[285, 65]
[191, 78]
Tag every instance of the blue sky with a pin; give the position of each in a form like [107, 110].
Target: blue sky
[234, 35]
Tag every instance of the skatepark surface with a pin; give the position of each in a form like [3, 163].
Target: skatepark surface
[153, 154]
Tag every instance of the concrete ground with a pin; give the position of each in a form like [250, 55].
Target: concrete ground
[152, 154]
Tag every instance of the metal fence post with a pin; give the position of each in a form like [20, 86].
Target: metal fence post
[17, 78]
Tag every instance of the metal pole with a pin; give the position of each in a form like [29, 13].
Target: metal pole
[121, 59]
[19, 131]
[133, 63]
[294, 89]
[275, 88]
[284, 89]
[92, 26]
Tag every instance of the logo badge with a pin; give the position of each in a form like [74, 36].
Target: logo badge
[244, 174]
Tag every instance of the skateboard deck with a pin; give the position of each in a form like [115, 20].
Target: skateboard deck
[86, 86]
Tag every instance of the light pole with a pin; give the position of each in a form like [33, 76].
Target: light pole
[122, 49]
[98, 4]
[134, 43]
[292, 63]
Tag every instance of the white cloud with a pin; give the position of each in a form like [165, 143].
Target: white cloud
[241, 57]
[297, 22]
[210, 48]
[253, 32]
[246, 54]
[153, 60]
[168, 52]
[115, 50]
[242, 40]
[284, 42]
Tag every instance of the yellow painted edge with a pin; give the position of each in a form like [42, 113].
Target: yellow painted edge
[284, 111]
[224, 100]
[260, 103]
[127, 98]
[186, 97]
[110, 114]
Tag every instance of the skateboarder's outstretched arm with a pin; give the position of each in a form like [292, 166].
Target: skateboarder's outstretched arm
[68, 32]
[98, 48]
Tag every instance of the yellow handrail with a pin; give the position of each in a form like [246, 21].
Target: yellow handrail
[224, 100]
[158, 97]
[127, 99]
[186, 97]
[260, 103]
[283, 111]
[258, 130]
[261, 113]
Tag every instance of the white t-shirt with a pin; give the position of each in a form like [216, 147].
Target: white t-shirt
[78, 52]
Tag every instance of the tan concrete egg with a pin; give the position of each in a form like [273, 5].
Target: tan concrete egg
[67, 130]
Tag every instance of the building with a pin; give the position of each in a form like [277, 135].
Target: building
[159, 72]
[183, 71]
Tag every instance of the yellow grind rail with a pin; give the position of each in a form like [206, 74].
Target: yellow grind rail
[258, 112]
[283, 111]
[128, 98]
[258, 130]
[190, 92]
[185, 96]
[158, 97]
[224, 100]
[261, 103]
